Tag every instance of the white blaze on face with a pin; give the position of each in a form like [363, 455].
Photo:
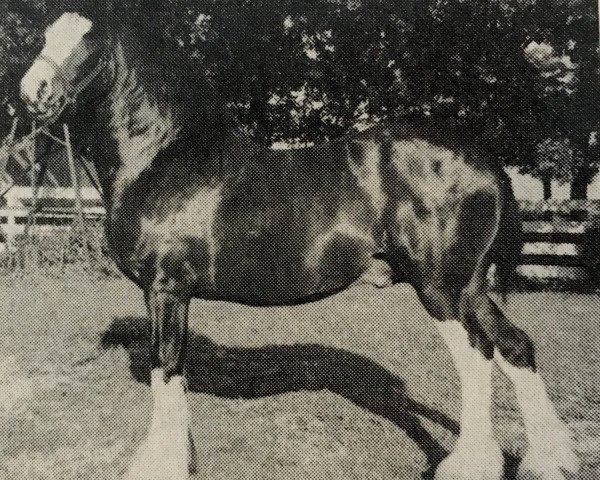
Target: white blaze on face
[62, 37]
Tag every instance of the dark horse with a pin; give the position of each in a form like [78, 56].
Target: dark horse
[195, 210]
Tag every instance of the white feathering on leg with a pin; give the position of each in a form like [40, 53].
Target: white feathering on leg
[164, 454]
[476, 455]
[551, 449]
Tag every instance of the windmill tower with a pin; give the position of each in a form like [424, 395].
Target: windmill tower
[23, 153]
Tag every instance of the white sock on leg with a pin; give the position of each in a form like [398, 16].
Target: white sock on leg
[550, 443]
[476, 454]
[164, 454]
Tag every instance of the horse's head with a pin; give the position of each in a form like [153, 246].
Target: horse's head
[63, 68]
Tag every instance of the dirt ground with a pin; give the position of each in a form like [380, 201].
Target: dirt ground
[353, 387]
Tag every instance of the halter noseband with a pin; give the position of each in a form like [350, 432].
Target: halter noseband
[70, 92]
[57, 71]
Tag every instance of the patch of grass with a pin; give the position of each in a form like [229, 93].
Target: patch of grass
[313, 391]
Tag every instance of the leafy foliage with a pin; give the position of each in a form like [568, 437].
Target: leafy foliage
[520, 71]
[558, 158]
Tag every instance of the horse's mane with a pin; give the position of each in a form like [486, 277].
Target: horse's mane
[166, 74]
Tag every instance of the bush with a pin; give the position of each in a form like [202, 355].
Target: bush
[59, 252]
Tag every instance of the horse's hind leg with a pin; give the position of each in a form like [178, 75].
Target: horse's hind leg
[476, 331]
[550, 449]
[476, 454]
[168, 451]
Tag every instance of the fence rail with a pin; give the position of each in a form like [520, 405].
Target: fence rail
[561, 247]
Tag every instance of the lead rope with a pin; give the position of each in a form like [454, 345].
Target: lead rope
[31, 218]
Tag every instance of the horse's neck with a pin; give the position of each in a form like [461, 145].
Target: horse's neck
[130, 129]
[133, 124]
[141, 128]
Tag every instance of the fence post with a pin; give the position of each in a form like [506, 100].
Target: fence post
[591, 254]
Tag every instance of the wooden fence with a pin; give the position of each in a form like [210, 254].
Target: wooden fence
[562, 244]
[13, 221]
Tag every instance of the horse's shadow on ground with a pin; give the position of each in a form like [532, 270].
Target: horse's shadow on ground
[234, 372]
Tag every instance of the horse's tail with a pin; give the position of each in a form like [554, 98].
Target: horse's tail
[508, 244]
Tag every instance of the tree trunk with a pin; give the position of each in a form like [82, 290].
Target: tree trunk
[579, 184]
[547, 184]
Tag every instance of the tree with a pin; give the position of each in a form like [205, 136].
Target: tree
[466, 61]
[305, 70]
[564, 49]
[19, 37]
[518, 72]
[557, 159]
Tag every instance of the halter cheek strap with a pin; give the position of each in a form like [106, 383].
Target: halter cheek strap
[57, 71]
[70, 93]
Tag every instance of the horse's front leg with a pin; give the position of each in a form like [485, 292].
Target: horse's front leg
[168, 451]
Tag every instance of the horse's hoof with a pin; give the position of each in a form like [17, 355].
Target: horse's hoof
[158, 464]
[558, 465]
[482, 462]
[552, 457]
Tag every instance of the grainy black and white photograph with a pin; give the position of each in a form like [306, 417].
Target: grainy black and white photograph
[299, 239]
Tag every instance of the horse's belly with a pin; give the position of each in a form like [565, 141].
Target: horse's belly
[263, 271]
[268, 249]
